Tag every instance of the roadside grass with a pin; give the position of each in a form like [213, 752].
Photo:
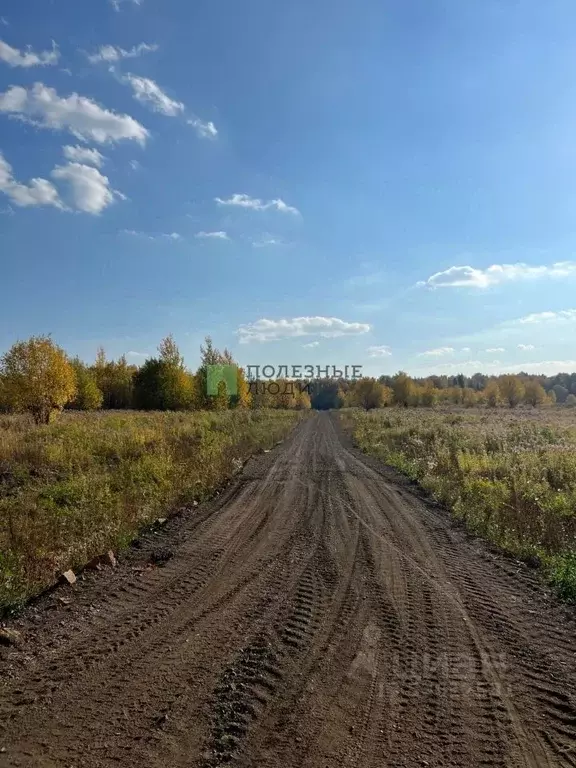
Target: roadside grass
[510, 476]
[88, 483]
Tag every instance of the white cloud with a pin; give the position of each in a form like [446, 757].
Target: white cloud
[172, 236]
[495, 349]
[274, 330]
[469, 365]
[379, 351]
[37, 192]
[16, 58]
[150, 94]
[117, 3]
[549, 367]
[111, 53]
[438, 352]
[135, 165]
[526, 347]
[255, 204]
[83, 117]
[267, 241]
[470, 277]
[212, 236]
[564, 315]
[138, 354]
[205, 130]
[83, 155]
[465, 349]
[89, 190]
[4, 21]
[311, 345]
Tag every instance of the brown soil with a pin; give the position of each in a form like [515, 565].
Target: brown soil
[317, 614]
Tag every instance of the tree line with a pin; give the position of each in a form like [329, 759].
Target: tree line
[38, 377]
[402, 390]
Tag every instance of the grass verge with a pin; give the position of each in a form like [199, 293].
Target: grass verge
[510, 477]
[88, 483]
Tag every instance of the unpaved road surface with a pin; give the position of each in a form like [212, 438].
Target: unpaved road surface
[316, 615]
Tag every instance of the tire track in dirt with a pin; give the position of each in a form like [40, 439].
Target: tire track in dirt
[316, 615]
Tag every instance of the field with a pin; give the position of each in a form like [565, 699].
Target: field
[509, 475]
[74, 489]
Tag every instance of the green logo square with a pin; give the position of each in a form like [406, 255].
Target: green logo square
[226, 373]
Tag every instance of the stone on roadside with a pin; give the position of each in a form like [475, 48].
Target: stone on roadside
[69, 577]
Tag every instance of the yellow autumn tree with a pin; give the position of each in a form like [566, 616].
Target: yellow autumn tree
[37, 377]
[369, 394]
[243, 398]
[511, 389]
[88, 396]
[428, 394]
[534, 393]
[491, 394]
[221, 401]
[404, 389]
[303, 402]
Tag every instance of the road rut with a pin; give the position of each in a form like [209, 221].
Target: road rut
[317, 615]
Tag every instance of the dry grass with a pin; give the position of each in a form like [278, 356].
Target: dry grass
[87, 483]
[509, 475]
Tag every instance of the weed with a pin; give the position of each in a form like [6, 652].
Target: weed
[510, 477]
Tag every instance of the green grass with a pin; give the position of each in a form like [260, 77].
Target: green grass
[510, 476]
[89, 482]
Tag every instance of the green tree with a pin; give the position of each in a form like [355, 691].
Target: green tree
[560, 393]
[209, 355]
[115, 380]
[37, 377]
[88, 395]
[169, 352]
[221, 401]
[163, 383]
[148, 385]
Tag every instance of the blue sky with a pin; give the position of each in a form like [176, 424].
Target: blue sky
[387, 184]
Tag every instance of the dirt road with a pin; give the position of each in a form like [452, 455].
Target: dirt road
[315, 615]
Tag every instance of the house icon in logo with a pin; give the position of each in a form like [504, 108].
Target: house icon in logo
[218, 373]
